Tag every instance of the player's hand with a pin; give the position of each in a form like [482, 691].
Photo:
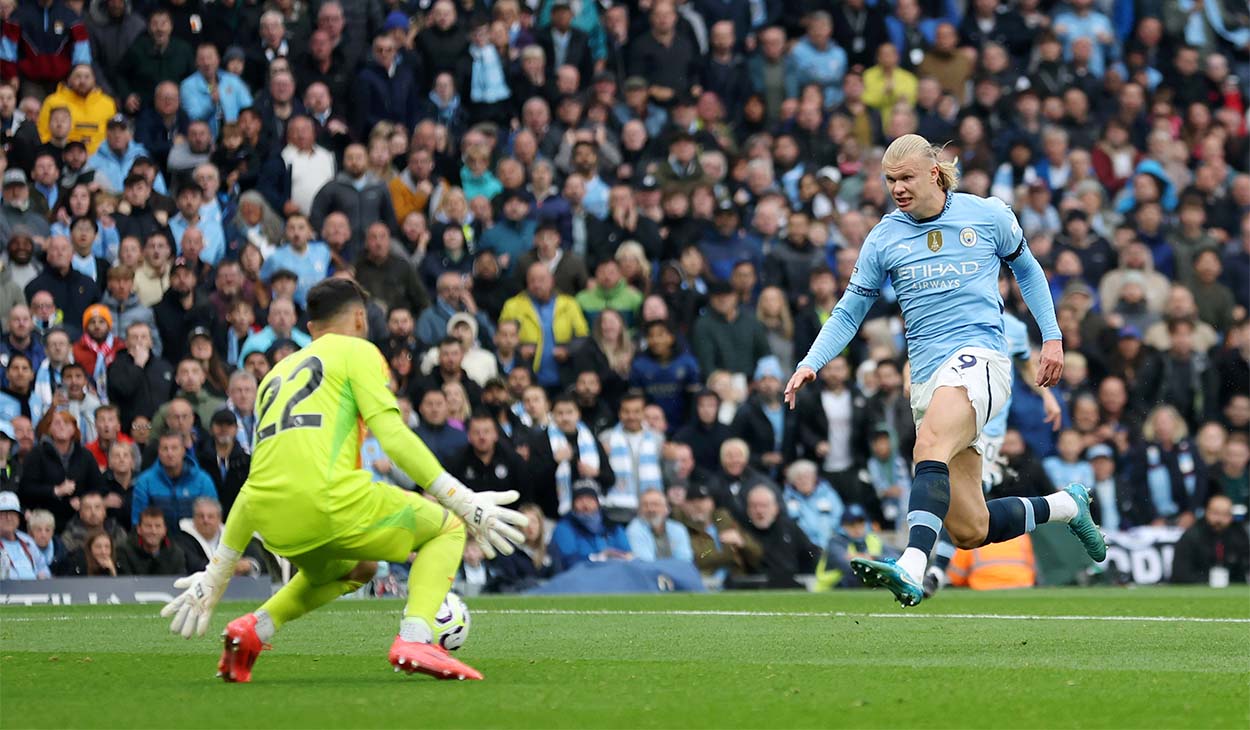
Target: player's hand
[193, 608]
[801, 377]
[1054, 414]
[497, 529]
[1050, 365]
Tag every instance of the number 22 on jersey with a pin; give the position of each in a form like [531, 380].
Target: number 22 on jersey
[273, 391]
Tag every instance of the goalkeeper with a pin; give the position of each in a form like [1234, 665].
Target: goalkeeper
[310, 501]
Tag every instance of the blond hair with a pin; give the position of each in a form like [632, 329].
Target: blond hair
[911, 146]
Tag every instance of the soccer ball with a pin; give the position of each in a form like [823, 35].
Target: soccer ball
[451, 623]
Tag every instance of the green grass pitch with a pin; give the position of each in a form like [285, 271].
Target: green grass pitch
[967, 660]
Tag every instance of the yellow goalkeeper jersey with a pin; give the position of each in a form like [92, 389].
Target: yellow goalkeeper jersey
[306, 485]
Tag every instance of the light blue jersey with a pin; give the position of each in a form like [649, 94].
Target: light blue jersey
[1017, 334]
[945, 272]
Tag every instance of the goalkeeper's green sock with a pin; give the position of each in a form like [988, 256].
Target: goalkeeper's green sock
[300, 596]
[432, 573]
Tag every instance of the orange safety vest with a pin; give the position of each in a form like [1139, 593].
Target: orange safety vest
[995, 566]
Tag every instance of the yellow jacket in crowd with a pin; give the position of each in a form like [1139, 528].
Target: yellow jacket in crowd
[876, 95]
[567, 323]
[90, 115]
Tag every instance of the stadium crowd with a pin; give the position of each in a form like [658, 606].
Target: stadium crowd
[597, 237]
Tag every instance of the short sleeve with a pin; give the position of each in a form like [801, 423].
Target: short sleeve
[868, 274]
[1008, 236]
[370, 377]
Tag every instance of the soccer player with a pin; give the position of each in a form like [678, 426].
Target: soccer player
[942, 251]
[310, 501]
[991, 439]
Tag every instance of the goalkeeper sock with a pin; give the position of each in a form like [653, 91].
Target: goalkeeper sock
[265, 627]
[434, 570]
[415, 629]
[926, 508]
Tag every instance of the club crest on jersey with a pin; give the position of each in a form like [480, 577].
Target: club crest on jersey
[935, 241]
[968, 237]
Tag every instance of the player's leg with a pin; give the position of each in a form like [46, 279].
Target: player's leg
[973, 522]
[947, 427]
[321, 579]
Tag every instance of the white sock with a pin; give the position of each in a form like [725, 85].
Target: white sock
[914, 562]
[1062, 506]
[264, 626]
[415, 629]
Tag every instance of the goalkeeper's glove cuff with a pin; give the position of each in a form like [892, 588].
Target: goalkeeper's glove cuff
[221, 565]
[450, 492]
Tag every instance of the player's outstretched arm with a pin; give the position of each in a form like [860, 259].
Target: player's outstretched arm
[834, 336]
[1036, 295]
[496, 528]
[192, 610]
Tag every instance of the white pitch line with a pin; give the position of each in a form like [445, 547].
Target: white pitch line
[846, 614]
[723, 613]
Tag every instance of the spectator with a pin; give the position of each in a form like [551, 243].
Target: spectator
[549, 323]
[434, 430]
[151, 61]
[1166, 462]
[1067, 466]
[485, 464]
[91, 517]
[653, 536]
[362, 198]
[19, 337]
[451, 297]
[665, 374]
[107, 430]
[814, 506]
[582, 535]
[282, 319]
[97, 348]
[721, 548]
[787, 553]
[59, 470]
[169, 487]
[890, 478]
[89, 107]
[668, 60]
[138, 380]
[762, 422]
[149, 551]
[41, 384]
[705, 434]
[1213, 544]
[634, 455]
[736, 477]
[21, 264]
[224, 457]
[728, 338]
[385, 90]
[16, 214]
[124, 307]
[854, 538]
[41, 527]
[309, 260]
[1231, 476]
[199, 535]
[72, 291]
[816, 59]
[20, 557]
[210, 94]
[75, 397]
[388, 277]
[574, 455]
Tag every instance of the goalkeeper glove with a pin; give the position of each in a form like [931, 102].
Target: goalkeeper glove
[193, 608]
[494, 527]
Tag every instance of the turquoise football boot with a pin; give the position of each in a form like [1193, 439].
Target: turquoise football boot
[887, 573]
[1083, 524]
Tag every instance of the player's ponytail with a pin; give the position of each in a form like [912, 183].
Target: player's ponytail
[913, 145]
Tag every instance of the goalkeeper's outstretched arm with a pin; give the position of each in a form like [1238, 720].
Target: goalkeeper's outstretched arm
[494, 527]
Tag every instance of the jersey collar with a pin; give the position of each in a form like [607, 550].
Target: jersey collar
[949, 198]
